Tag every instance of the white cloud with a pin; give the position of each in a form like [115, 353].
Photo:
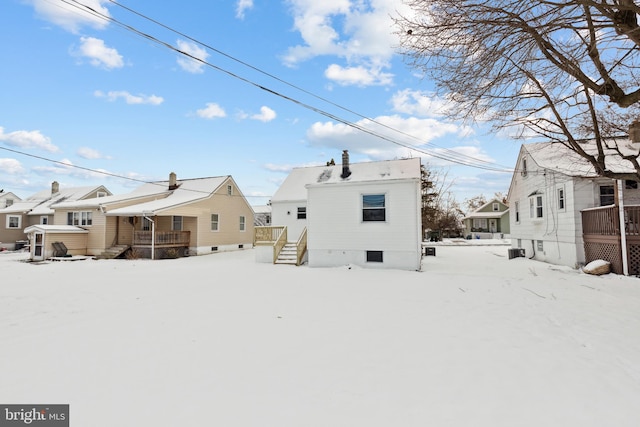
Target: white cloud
[242, 6]
[266, 114]
[129, 98]
[211, 111]
[11, 167]
[358, 76]
[27, 139]
[98, 53]
[412, 132]
[189, 64]
[360, 32]
[90, 153]
[419, 103]
[70, 17]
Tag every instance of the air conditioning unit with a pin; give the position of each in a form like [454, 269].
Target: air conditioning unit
[516, 253]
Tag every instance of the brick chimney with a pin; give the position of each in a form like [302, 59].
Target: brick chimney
[345, 165]
[55, 187]
[634, 132]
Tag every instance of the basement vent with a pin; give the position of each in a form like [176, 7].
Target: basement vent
[374, 256]
[214, 248]
[240, 246]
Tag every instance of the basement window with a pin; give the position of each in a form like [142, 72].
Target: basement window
[374, 256]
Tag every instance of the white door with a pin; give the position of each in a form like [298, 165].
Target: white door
[38, 247]
[493, 226]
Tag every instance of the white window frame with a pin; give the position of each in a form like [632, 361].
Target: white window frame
[44, 219]
[562, 199]
[517, 210]
[612, 195]
[495, 207]
[229, 190]
[536, 207]
[243, 223]
[19, 223]
[480, 223]
[302, 212]
[383, 208]
[215, 223]
[523, 172]
[80, 218]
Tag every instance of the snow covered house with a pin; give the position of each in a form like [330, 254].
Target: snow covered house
[39, 209]
[489, 221]
[563, 213]
[7, 198]
[159, 219]
[365, 214]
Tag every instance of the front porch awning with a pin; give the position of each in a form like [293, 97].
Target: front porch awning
[54, 229]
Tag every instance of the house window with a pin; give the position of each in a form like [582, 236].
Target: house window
[176, 224]
[480, 223]
[496, 207]
[229, 190]
[561, 198]
[607, 195]
[517, 209]
[373, 207]
[14, 221]
[44, 220]
[101, 194]
[535, 206]
[242, 223]
[146, 224]
[630, 185]
[79, 218]
[215, 222]
[519, 243]
[302, 213]
[9, 202]
[374, 256]
[523, 172]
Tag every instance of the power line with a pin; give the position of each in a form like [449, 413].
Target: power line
[458, 158]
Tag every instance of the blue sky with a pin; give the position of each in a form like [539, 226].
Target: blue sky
[276, 83]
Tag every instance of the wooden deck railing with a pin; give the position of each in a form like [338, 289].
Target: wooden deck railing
[162, 238]
[266, 234]
[605, 221]
[301, 246]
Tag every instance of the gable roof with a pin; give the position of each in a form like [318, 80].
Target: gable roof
[492, 214]
[41, 202]
[188, 191]
[559, 158]
[295, 185]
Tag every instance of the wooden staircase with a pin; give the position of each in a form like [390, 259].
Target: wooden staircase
[113, 252]
[288, 254]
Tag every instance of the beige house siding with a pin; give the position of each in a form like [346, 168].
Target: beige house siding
[76, 243]
[10, 235]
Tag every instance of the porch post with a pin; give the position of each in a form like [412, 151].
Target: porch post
[153, 236]
[623, 233]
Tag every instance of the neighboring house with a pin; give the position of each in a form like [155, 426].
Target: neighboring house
[262, 215]
[7, 199]
[365, 214]
[161, 219]
[39, 209]
[489, 221]
[553, 190]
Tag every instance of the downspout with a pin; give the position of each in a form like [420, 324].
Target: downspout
[153, 236]
[623, 233]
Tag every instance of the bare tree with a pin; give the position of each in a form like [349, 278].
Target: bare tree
[563, 70]
[440, 211]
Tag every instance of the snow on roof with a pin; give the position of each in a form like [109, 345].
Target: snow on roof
[486, 214]
[558, 157]
[188, 191]
[50, 228]
[40, 203]
[294, 186]
[261, 209]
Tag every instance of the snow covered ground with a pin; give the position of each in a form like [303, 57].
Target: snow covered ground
[475, 339]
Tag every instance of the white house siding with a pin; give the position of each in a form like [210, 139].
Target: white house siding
[286, 213]
[338, 236]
